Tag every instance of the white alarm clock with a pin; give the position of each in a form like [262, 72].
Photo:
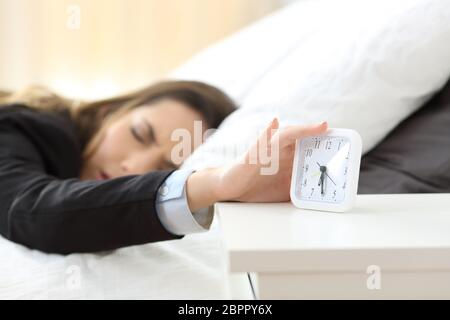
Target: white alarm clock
[326, 170]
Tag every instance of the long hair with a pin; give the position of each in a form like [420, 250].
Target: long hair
[92, 118]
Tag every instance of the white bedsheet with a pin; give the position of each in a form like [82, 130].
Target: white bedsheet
[365, 66]
[192, 268]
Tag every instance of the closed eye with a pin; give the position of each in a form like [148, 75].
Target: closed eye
[144, 135]
[136, 135]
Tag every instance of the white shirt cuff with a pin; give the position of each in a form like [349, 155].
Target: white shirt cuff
[173, 209]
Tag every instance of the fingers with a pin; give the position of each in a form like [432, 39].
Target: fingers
[270, 131]
[288, 135]
[273, 127]
[262, 145]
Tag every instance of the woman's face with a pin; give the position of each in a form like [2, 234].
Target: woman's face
[140, 141]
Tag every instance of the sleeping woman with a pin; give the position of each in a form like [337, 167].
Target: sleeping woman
[87, 177]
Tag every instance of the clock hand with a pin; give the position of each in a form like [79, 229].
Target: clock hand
[325, 171]
[322, 184]
[317, 173]
[330, 178]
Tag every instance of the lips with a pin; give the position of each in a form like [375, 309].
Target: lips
[102, 175]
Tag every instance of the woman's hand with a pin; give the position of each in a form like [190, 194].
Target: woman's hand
[255, 178]
[262, 174]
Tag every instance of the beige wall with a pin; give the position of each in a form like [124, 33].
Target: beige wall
[119, 45]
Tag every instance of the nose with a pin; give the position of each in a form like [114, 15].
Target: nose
[139, 163]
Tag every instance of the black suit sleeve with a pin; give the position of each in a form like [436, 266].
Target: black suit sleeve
[65, 216]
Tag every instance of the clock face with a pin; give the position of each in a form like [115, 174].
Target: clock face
[323, 168]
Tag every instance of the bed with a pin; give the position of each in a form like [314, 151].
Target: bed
[367, 65]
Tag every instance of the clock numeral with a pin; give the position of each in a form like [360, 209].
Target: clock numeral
[334, 194]
[305, 182]
[339, 146]
[309, 152]
[328, 145]
[312, 191]
[306, 168]
[317, 144]
[344, 185]
[345, 170]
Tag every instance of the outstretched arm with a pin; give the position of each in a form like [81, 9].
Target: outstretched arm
[244, 180]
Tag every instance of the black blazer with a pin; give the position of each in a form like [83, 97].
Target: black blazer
[43, 204]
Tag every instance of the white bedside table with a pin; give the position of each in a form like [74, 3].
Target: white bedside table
[386, 247]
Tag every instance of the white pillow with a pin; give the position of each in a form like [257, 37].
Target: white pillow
[365, 65]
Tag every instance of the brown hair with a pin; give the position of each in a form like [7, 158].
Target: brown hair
[91, 117]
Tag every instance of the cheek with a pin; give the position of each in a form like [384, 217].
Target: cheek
[111, 147]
